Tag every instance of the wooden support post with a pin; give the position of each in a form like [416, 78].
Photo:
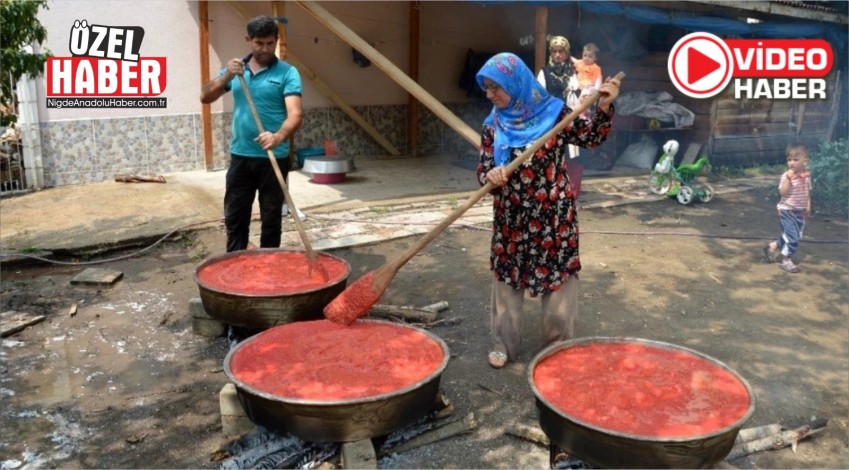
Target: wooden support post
[412, 102]
[836, 96]
[800, 118]
[714, 106]
[540, 31]
[206, 109]
[278, 9]
[396, 74]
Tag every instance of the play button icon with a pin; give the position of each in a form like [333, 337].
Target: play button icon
[700, 65]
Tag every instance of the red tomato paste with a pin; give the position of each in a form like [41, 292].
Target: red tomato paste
[272, 273]
[323, 361]
[353, 302]
[641, 389]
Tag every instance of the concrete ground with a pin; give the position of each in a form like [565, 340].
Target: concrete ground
[94, 217]
[123, 383]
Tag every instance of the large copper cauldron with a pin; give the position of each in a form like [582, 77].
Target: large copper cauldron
[259, 312]
[341, 420]
[605, 448]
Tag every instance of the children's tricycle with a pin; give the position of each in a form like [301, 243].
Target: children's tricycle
[680, 182]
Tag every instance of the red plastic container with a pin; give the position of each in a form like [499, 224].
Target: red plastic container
[328, 178]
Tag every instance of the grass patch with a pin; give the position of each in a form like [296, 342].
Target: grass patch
[379, 210]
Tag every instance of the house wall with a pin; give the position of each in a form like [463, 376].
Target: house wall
[170, 31]
[90, 145]
[757, 131]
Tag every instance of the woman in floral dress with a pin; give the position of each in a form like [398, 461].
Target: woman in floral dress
[535, 224]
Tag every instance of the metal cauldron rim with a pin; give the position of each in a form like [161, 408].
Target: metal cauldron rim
[353, 401]
[551, 349]
[258, 252]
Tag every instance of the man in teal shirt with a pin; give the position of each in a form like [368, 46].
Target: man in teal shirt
[276, 90]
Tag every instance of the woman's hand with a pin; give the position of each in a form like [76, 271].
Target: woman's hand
[497, 176]
[609, 91]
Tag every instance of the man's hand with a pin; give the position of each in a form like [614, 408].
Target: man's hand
[235, 67]
[269, 140]
[215, 88]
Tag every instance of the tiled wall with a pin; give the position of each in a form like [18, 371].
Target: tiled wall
[93, 150]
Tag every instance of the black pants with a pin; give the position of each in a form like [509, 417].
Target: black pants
[245, 177]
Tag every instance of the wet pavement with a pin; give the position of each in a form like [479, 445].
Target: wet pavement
[381, 200]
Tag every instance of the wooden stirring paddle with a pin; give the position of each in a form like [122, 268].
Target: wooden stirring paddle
[311, 255]
[357, 299]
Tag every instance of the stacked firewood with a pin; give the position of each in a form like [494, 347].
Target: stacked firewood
[773, 437]
[748, 441]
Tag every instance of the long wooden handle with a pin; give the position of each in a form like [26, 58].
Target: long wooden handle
[485, 189]
[293, 210]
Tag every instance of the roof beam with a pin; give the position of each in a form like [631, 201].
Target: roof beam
[779, 9]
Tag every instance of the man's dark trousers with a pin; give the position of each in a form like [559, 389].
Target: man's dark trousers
[245, 177]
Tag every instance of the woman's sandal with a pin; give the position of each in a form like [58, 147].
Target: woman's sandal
[497, 359]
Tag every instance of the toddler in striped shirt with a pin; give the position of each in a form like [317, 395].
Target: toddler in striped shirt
[793, 208]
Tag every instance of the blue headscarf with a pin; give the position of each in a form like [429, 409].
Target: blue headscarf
[532, 111]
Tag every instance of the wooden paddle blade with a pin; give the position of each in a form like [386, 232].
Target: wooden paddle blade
[315, 266]
[359, 297]
[353, 302]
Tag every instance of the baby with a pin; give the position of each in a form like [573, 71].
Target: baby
[589, 72]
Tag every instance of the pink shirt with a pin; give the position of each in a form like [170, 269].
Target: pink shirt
[798, 195]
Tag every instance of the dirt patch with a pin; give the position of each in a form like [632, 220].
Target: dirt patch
[125, 384]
